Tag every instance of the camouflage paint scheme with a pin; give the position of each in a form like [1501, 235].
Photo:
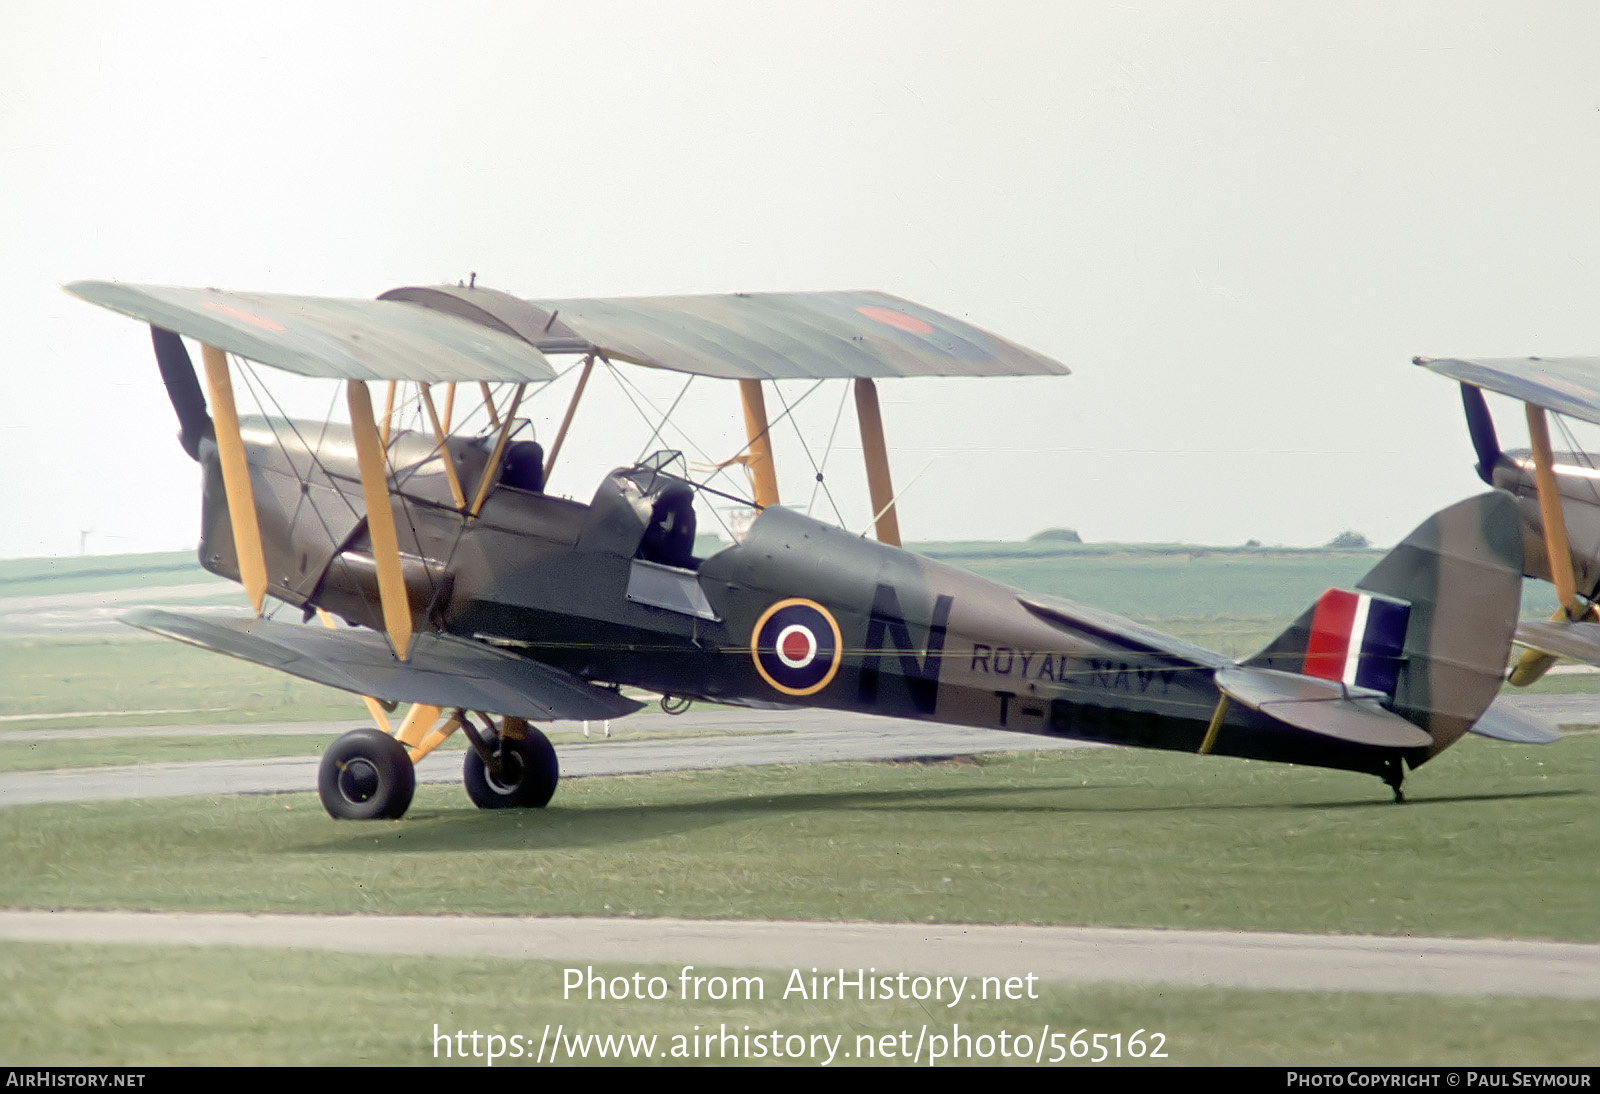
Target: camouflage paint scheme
[548, 578]
[538, 607]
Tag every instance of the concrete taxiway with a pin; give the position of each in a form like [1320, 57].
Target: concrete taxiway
[706, 739]
[1217, 959]
[1260, 961]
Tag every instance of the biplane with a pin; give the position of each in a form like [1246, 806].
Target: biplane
[1557, 492]
[490, 605]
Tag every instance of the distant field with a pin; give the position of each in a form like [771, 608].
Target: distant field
[100, 573]
[1229, 599]
[106, 680]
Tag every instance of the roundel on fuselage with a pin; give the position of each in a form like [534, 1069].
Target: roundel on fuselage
[796, 646]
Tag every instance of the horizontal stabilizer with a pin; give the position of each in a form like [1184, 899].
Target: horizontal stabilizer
[441, 671]
[1325, 707]
[1579, 641]
[329, 338]
[1505, 722]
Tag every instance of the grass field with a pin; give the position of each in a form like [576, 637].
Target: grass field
[100, 573]
[151, 1006]
[110, 681]
[1496, 841]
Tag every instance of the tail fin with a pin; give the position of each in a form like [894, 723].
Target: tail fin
[1433, 632]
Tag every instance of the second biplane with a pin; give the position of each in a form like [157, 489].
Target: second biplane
[1557, 492]
[489, 604]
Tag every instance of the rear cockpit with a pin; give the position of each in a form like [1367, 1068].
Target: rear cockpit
[647, 512]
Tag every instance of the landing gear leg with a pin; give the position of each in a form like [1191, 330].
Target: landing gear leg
[516, 769]
[1394, 773]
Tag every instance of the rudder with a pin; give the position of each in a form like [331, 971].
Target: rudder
[1459, 574]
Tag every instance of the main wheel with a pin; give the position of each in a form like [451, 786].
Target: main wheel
[366, 775]
[528, 774]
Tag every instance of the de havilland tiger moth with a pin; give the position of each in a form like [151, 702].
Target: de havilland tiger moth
[468, 591]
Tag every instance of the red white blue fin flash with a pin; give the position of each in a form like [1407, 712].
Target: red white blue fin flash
[1358, 639]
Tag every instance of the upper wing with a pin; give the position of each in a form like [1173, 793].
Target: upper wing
[1565, 385]
[445, 333]
[441, 670]
[780, 336]
[335, 339]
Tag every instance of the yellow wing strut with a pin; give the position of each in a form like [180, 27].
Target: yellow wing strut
[1215, 725]
[388, 411]
[1555, 525]
[380, 518]
[236, 478]
[444, 449]
[1535, 663]
[491, 470]
[763, 472]
[379, 718]
[876, 454]
[488, 404]
[572, 408]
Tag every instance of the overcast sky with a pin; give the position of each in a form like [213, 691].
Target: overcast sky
[1235, 222]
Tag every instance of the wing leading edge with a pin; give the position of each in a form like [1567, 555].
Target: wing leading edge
[330, 338]
[1565, 385]
[439, 334]
[781, 336]
[441, 671]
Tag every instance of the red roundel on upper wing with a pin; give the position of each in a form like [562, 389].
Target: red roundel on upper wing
[899, 320]
[261, 321]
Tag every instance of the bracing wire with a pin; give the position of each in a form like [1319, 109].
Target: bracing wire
[838, 416]
[656, 432]
[817, 470]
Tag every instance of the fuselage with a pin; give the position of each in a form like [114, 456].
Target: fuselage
[799, 613]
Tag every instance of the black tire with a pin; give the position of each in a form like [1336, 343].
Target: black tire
[366, 775]
[529, 773]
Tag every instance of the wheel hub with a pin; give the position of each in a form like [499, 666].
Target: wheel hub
[506, 776]
[358, 781]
